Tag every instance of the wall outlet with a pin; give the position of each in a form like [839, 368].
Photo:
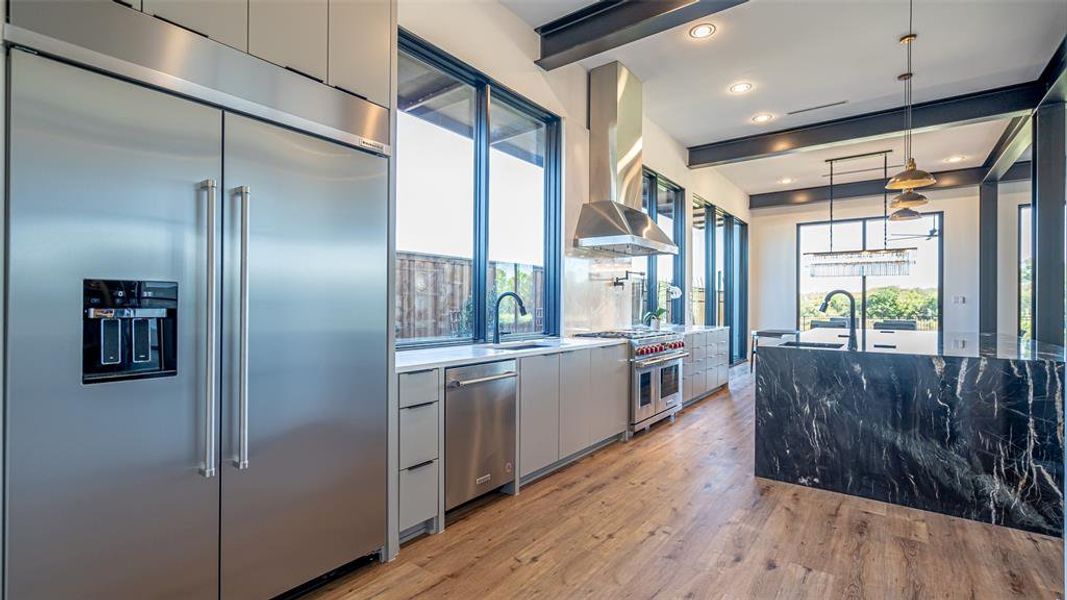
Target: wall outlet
[959, 299]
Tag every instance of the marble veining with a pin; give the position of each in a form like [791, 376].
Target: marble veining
[975, 437]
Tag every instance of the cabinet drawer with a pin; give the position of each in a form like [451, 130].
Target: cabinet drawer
[418, 388]
[712, 377]
[418, 494]
[724, 374]
[418, 434]
[699, 353]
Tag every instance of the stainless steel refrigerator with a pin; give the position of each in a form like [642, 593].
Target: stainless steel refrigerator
[197, 338]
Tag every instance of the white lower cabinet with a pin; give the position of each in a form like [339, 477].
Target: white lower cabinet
[418, 494]
[570, 401]
[419, 420]
[538, 412]
[610, 383]
[707, 368]
[574, 401]
[418, 434]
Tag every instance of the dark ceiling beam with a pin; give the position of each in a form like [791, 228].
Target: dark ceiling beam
[1054, 76]
[1015, 139]
[946, 180]
[609, 24]
[1010, 101]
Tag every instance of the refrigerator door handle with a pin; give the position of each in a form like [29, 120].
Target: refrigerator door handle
[208, 468]
[241, 461]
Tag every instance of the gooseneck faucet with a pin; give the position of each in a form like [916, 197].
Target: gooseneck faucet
[496, 324]
[852, 345]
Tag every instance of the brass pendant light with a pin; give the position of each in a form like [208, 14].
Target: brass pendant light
[909, 199]
[904, 214]
[912, 177]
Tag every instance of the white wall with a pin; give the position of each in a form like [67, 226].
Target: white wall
[772, 256]
[491, 38]
[1009, 196]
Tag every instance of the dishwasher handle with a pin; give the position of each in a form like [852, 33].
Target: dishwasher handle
[459, 383]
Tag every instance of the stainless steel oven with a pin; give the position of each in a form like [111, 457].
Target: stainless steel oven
[656, 374]
[656, 390]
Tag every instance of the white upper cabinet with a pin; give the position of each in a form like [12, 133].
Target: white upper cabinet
[224, 21]
[360, 42]
[290, 33]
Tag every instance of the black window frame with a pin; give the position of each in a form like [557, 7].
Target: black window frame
[735, 275]
[1019, 271]
[488, 90]
[652, 181]
[862, 302]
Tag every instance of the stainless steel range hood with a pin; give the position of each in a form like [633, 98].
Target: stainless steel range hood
[612, 222]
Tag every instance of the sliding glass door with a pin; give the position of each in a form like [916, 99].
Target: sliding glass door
[907, 302]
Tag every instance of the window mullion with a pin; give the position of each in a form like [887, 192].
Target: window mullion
[480, 267]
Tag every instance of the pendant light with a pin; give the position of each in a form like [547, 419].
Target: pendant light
[909, 199]
[885, 261]
[904, 214]
[912, 177]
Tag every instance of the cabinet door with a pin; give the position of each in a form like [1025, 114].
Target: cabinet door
[290, 33]
[539, 412]
[360, 57]
[610, 370]
[574, 401]
[224, 21]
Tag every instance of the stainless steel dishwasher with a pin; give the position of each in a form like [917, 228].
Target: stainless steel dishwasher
[479, 430]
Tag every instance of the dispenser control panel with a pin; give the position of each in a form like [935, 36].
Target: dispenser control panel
[129, 329]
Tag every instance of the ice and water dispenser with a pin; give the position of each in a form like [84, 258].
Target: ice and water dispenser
[130, 330]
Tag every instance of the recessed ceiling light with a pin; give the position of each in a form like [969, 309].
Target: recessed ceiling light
[762, 118]
[955, 158]
[701, 31]
[786, 180]
[741, 87]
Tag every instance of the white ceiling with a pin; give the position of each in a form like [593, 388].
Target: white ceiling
[809, 169]
[805, 53]
[539, 12]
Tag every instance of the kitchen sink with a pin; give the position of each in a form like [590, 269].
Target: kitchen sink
[522, 345]
[828, 345]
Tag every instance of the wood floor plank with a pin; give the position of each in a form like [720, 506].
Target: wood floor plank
[676, 513]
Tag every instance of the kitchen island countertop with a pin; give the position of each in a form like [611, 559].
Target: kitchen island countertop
[932, 343]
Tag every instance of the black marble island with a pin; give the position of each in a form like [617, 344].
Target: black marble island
[971, 426]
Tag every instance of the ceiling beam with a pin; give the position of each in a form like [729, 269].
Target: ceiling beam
[1010, 101]
[946, 180]
[1015, 139]
[608, 24]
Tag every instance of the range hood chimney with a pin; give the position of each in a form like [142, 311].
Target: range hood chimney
[612, 222]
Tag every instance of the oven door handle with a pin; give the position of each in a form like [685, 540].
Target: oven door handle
[660, 360]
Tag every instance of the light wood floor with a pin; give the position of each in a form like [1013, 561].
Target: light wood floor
[677, 513]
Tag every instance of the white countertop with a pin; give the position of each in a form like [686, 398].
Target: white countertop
[468, 354]
[683, 329]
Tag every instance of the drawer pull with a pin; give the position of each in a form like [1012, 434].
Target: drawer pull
[420, 465]
[419, 405]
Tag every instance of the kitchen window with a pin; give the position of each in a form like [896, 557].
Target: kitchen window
[478, 204]
[1026, 271]
[719, 294]
[664, 201]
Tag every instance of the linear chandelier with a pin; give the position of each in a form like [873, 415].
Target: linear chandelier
[885, 261]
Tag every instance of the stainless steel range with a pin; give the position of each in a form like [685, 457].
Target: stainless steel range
[656, 373]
